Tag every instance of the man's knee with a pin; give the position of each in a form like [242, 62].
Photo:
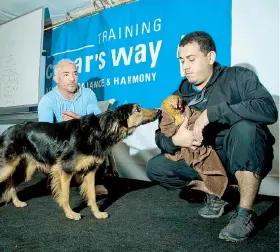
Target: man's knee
[154, 168]
[159, 168]
[244, 129]
[246, 148]
[150, 171]
[242, 136]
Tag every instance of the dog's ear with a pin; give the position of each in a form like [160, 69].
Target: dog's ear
[116, 120]
[110, 122]
[123, 114]
[115, 125]
[123, 121]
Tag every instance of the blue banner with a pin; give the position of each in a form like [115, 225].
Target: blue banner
[130, 52]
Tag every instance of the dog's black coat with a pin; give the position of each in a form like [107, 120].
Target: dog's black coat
[78, 146]
[46, 142]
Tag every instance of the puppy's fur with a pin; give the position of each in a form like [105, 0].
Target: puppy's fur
[174, 106]
[78, 146]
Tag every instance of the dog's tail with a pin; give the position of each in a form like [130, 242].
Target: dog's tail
[8, 168]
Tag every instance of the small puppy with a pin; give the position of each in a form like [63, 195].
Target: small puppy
[174, 106]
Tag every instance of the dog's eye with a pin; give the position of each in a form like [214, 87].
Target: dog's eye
[138, 109]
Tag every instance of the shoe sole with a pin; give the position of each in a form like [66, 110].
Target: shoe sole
[222, 210]
[228, 239]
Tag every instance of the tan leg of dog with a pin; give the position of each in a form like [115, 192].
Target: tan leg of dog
[64, 197]
[11, 194]
[88, 191]
[31, 168]
[60, 184]
[15, 199]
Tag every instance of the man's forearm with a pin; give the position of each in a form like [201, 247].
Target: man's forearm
[165, 143]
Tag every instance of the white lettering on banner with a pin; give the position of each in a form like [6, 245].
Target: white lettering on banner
[117, 81]
[93, 84]
[121, 54]
[142, 53]
[88, 59]
[129, 31]
[154, 53]
[126, 80]
[79, 64]
[102, 60]
[139, 57]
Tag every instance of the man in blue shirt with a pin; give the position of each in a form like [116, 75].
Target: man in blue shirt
[67, 100]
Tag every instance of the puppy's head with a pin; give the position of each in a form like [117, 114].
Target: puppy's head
[126, 118]
[174, 106]
[173, 102]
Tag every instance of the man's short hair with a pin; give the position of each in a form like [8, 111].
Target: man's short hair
[57, 65]
[203, 39]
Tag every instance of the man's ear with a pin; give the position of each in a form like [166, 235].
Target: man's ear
[55, 78]
[212, 57]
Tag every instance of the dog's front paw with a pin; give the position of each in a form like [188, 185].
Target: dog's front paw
[73, 216]
[101, 215]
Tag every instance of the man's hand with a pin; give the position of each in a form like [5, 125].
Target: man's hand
[177, 104]
[69, 115]
[185, 137]
[199, 125]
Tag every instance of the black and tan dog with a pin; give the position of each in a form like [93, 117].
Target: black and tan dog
[65, 149]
